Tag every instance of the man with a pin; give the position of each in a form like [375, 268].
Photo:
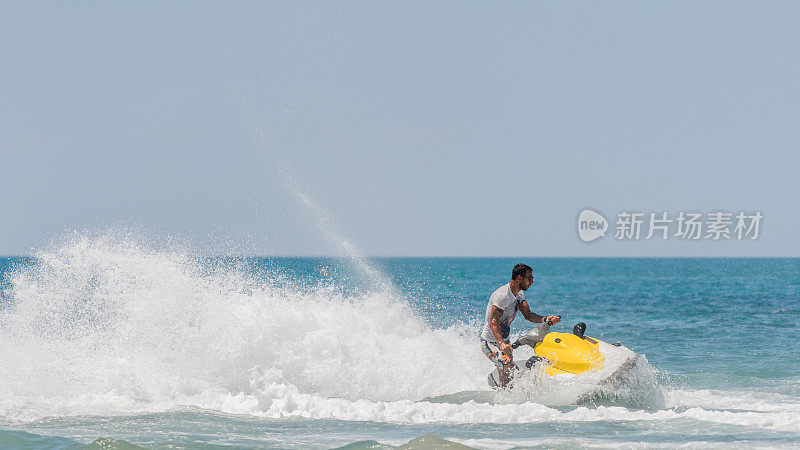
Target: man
[500, 312]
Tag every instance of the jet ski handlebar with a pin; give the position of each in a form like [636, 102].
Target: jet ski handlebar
[550, 322]
[533, 336]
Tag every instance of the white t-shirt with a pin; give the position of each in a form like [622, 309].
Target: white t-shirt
[505, 300]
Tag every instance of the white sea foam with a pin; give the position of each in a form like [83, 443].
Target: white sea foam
[732, 401]
[106, 326]
[275, 397]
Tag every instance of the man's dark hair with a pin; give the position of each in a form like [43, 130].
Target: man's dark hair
[520, 270]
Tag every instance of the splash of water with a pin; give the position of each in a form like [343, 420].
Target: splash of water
[301, 193]
[97, 322]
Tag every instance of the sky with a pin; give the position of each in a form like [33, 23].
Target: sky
[399, 128]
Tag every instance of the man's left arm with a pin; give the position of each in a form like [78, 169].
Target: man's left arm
[531, 316]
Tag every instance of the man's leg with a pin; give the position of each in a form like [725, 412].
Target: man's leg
[506, 373]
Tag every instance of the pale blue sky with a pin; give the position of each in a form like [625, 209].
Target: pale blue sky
[419, 128]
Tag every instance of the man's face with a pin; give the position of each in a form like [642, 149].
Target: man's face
[526, 281]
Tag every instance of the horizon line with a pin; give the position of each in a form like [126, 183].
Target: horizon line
[477, 256]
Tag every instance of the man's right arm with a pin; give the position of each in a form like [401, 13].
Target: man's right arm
[494, 326]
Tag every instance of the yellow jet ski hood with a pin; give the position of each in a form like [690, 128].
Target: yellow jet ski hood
[563, 352]
[568, 353]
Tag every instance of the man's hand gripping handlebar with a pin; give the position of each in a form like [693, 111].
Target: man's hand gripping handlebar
[552, 320]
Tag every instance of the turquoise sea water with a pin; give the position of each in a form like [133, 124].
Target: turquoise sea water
[103, 337]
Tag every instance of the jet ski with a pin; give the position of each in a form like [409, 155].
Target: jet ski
[572, 356]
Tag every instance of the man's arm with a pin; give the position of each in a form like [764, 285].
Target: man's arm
[494, 323]
[531, 316]
[494, 326]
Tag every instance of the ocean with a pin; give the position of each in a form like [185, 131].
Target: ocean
[110, 341]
